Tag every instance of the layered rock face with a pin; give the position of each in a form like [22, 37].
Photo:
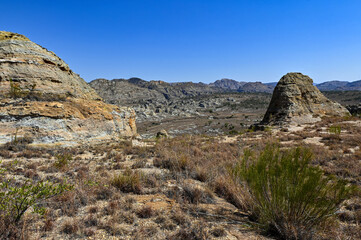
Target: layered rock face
[42, 98]
[296, 100]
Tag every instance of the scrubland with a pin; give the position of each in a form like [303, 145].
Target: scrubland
[187, 187]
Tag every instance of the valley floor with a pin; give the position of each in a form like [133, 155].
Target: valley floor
[172, 188]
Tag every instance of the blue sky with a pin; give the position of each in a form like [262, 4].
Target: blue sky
[194, 40]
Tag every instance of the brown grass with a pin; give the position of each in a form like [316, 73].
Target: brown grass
[128, 181]
[112, 180]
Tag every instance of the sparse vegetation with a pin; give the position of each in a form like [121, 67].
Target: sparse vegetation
[124, 190]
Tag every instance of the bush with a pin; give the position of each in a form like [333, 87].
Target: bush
[62, 160]
[290, 197]
[16, 91]
[16, 200]
[335, 129]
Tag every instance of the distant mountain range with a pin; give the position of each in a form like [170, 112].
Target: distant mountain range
[233, 85]
[340, 86]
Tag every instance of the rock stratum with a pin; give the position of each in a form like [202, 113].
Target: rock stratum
[42, 98]
[296, 100]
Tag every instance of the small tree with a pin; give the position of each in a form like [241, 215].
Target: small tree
[289, 196]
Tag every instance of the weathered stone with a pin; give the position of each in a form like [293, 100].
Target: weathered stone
[296, 100]
[42, 98]
[355, 109]
[162, 134]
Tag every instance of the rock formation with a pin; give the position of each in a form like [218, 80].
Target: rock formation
[296, 100]
[256, 87]
[228, 84]
[355, 109]
[42, 98]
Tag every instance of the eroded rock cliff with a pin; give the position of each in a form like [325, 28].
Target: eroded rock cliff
[41, 97]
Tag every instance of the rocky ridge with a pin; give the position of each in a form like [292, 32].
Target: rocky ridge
[43, 99]
[157, 100]
[340, 86]
[154, 100]
[296, 100]
[228, 84]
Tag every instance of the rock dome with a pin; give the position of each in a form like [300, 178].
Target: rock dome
[296, 100]
[42, 98]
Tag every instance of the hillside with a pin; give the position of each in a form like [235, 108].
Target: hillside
[340, 86]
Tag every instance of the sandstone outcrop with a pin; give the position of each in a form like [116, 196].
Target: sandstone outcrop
[41, 97]
[296, 100]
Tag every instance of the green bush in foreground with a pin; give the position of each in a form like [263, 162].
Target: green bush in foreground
[289, 197]
[16, 200]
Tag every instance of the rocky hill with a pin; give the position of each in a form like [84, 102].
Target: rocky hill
[296, 99]
[136, 90]
[256, 87]
[340, 86]
[154, 100]
[42, 99]
[228, 84]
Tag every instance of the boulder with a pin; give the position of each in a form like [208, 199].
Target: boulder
[355, 109]
[162, 134]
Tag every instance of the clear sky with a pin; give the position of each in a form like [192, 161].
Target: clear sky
[195, 40]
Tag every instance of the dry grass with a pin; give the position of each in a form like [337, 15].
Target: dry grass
[128, 181]
[124, 191]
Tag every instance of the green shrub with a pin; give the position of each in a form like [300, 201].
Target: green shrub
[233, 132]
[289, 197]
[62, 160]
[16, 200]
[16, 91]
[335, 129]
